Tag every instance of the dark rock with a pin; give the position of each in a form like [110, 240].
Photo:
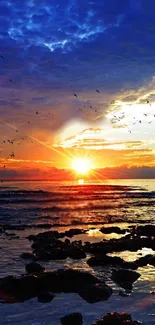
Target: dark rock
[34, 268]
[73, 232]
[72, 319]
[130, 265]
[147, 230]
[45, 297]
[67, 241]
[109, 230]
[29, 286]
[20, 289]
[66, 280]
[145, 260]
[103, 260]
[76, 253]
[116, 319]
[52, 254]
[125, 278]
[27, 256]
[95, 293]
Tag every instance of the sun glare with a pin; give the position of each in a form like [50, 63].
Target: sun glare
[81, 165]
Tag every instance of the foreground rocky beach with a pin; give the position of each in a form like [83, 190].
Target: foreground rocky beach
[53, 245]
[83, 263]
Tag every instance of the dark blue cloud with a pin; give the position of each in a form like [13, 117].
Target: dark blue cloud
[55, 48]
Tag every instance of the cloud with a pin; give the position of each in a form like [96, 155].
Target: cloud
[95, 139]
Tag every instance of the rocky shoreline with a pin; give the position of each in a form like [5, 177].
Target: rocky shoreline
[53, 245]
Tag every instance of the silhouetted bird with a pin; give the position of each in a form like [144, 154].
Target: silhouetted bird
[10, 80]
[140, 121]
[37, 113]
[16, 130]
[1, 181]
[2, 57]
[97, 91]
[75, 95]
[28, 122]
[147, 101]
[145, 114]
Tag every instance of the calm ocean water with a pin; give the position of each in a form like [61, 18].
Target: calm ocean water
[34, 205]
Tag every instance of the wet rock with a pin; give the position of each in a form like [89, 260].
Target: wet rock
[29, 286]
[45, 297]
[73, 232]
[72, 319]
[76, 253]
[147, 230]
[95, 293]
[125, 278]
[66, 280]
[27, 256]
[109, 230]
[130, 265]
[34, 268]
[52, 254]
[20, 289]
[116, 319]
[144, 260]
[103, 260]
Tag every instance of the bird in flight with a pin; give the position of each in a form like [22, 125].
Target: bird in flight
[97, 91]
[37, 113]
[147, 101]
[2, 57]
[75, 95]
[145, 114]
[10, 80]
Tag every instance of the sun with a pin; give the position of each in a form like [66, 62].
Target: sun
[81, 165]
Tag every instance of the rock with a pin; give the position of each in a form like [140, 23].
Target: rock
[125, 278]
[34, 268]
[27, 256]
[66, 280]
[76, 253]
[52, 254]
[95, 293]
[116, 319]
[147, 230]
[103, 260]
[45, 297]
[73, 232]
[110, 230]
[144, 260]
[63, 280]
[72, 319]
[20, 289]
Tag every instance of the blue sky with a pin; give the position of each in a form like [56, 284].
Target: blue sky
[53, 49]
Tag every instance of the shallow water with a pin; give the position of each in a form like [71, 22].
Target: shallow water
[62, 206]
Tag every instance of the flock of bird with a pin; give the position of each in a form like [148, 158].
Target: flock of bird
[88, 104]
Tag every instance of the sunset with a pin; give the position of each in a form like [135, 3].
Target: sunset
[77, 162]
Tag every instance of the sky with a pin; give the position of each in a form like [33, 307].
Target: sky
[77, 79]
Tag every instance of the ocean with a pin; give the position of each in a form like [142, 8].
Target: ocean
[33, 207]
